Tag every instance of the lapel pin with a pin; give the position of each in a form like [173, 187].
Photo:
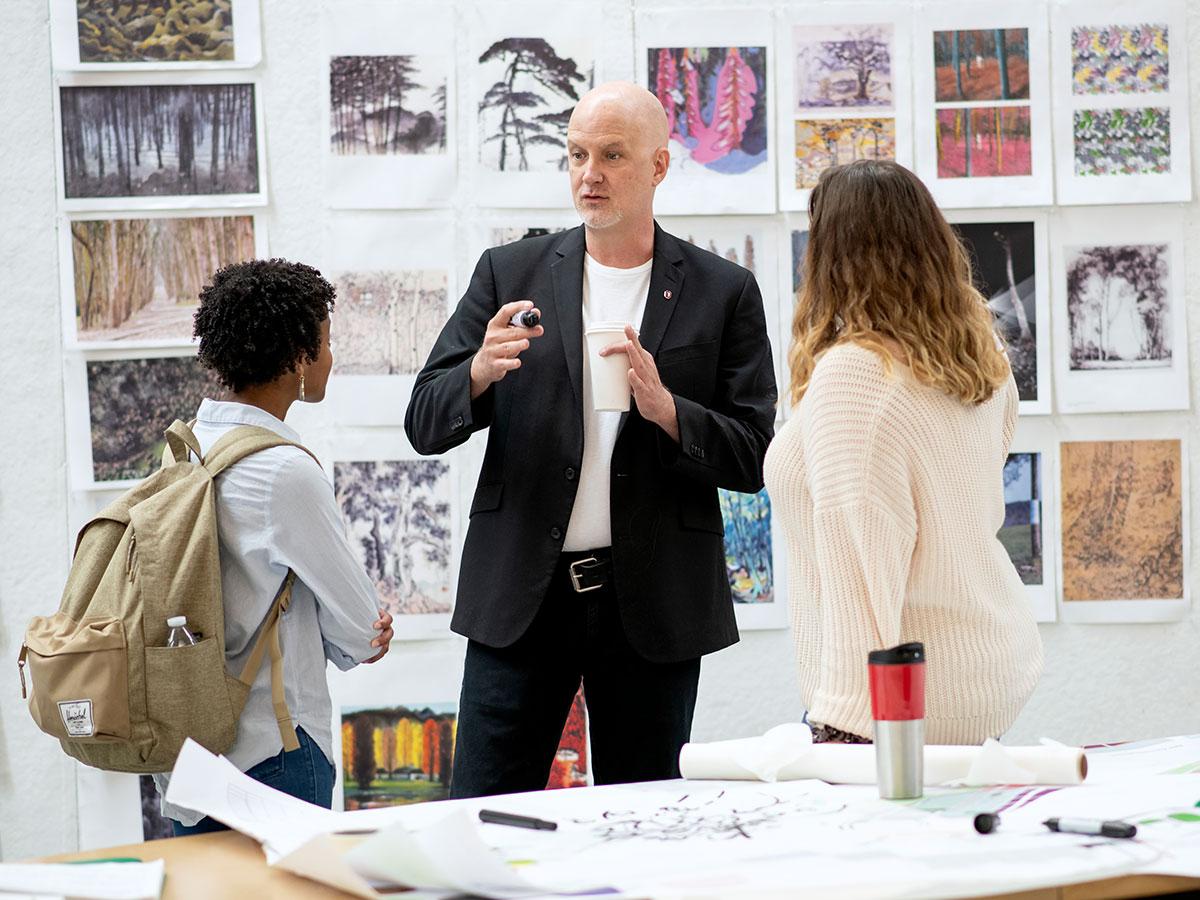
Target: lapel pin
[666, 295]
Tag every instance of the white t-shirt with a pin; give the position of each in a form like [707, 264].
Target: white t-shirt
[609, 295]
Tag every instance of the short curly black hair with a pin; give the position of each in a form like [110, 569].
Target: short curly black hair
[260, 319]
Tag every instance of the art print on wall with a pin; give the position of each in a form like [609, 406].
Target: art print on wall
[749, 560]
[1121, 337]
[1121, 92]
[136, 281]
[396, 755]
[100, 35]
[1010, 268]
[147, 145]
[1124, 530]
[713, 84]
[983, 81]
[845, 78]
[1030, 532]
[389, 86]
[387, 321]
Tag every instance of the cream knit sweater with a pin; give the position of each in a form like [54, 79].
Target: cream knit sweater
[890, 494]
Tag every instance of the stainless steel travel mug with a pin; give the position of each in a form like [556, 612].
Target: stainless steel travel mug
[897, 678]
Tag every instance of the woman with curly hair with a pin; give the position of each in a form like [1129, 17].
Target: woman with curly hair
[263, 327]
[888, 479]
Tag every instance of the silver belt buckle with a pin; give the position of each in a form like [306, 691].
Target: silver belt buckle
[575, 576]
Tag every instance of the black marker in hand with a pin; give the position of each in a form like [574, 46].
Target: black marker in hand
[527, 319]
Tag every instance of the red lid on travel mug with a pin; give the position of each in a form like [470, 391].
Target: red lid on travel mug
[897, 682]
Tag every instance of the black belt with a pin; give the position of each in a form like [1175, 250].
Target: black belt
[587, 570]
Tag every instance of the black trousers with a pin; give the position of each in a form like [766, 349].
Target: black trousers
[515, 700]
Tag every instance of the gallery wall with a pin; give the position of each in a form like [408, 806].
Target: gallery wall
[1102, 681]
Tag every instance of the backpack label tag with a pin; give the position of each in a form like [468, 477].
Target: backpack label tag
[77, 717]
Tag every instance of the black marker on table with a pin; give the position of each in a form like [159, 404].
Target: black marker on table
[525, 319]
[1112, 829]
[492, 817]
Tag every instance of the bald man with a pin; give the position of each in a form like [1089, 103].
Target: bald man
[594, 552]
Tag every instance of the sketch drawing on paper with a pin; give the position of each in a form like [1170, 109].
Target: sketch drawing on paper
[748, 560]
[1119, 306]
[140, 279]
[139, 141]
[523, 115]
[398, 517]
[716, 104]
[983, 142]
[570, 766]
[984, 64]
[1120, 59]
[823, 143]
[154, 31]
[742, 255]
[842, 65]
[1021, 533]
[397, 755]
[131, 402]
[387, 104]
[1002, 269]
[1123, 141]
[502, 236]
[155, 826]
[1122, 515]
[387, 322]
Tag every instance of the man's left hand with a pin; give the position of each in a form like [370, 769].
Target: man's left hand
[654, 402]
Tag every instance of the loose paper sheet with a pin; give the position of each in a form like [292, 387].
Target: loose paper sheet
[96, 881]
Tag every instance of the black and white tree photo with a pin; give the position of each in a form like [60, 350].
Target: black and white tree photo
[387, 104]
[1119, 306]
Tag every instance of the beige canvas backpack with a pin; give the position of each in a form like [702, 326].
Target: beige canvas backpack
[102, 678]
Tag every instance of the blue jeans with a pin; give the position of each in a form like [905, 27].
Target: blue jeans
[304, 773]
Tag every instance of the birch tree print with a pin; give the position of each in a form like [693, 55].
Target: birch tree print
[1119, 307]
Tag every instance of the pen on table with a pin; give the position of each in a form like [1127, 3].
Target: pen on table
[1112, 828]
[525, 319]
[106, 859]
[493, 817]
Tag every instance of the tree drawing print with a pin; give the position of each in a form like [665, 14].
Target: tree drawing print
[154, 30]
[1118, 306]
[987, 64]
[140, 279]
[1021, 533]
[848, 65]
[716, 103]
[748, 560]
[824, 143]
[377, 105]
[387, 322]
[136, 141]
[522, 116]
[398, 516]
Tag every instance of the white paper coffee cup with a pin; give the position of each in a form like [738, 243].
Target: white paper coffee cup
[609, 374]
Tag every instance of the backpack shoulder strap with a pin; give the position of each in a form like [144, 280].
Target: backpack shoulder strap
[268, 639]
[180, 440]
[245, 440]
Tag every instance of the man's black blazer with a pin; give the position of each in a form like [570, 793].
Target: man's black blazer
[705, 326]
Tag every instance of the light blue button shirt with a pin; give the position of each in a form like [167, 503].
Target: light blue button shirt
[275, 510]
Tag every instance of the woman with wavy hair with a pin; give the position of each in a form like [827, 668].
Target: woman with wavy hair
[888, 478]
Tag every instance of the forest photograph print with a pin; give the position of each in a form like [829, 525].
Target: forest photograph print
[716, 104]
[824, 143]
[397, 755]
[136, 141]
[1002, 269]
[842, 65]
[523, 114]
[1119, 306]
[398, 518]
[1021, 533]
[748, 556]
[1120, 59]
[387, 322]
[140, 279]
[155, 31]
[132, 402]
[984, 64]
[983, 142]
[1122, 520]
[387, 104]
[1123, 141]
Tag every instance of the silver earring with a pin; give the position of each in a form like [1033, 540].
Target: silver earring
[301, 387]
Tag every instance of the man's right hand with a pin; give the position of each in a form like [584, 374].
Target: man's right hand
[502, 346]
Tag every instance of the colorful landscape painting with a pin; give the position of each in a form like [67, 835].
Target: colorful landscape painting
[1120, 59]
[154, 30]
[984, 64]
[842, 65]
[1021, 533]
[823, 143]
[716, 103]
[387, 104]
[748, 560]
[1119, 306]
[397, 755]
[1122, 520]
[1123, 141]
[984, 142]
[570, 766]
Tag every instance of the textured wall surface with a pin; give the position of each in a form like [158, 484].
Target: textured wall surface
[1100, 682]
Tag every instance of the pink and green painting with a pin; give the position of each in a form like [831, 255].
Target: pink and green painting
[984, 142]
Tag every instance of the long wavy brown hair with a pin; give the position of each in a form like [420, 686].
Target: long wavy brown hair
[882, 263]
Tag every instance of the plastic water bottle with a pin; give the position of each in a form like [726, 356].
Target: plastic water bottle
[179, 636]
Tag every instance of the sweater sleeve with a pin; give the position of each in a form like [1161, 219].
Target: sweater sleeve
[864, 526]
